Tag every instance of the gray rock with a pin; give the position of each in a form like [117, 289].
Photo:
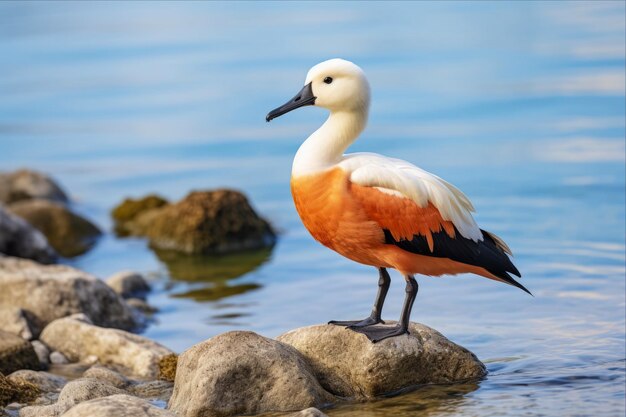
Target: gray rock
[128, 284]
[73, 393]
[117, 406]
[347, 364]
[18, 238]
[54, 291]
[58, 358]
[142, 306]
[19, 322]
[16, 353]
[42, 351]
[79, 340]
[110, 376]
[67, 232]
[153, 390]
[309, 412]
[45, 381]
[25, 184]
[243, 373]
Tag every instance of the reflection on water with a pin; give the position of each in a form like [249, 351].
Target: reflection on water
[519, 104]
[209, 276]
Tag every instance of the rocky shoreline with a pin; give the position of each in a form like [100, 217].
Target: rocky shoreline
[69, 342]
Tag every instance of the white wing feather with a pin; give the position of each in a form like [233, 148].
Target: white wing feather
[398, 176]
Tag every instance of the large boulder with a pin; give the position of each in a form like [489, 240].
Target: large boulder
[18, 238]
[79, 340]
[204, 222]
[119, 405]
[347, 364]
[68, 233]
[25, 184]
[243, 373]
[50, 292]
[16, 353]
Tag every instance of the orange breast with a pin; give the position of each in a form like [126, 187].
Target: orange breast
[334, 218]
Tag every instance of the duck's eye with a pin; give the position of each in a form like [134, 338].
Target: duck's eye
[328, 80]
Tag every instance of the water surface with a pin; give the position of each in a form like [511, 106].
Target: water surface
[521, 105]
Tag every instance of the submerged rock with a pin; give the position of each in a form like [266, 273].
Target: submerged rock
[68, 233]
[54, 291]
[18, 238]
[119, 405]
[16, 353]
[78, 340]
[243, 373]
[128, 284]
[16, 391]
[309, 412]
[204, 222]
[347, 364]
[25, 185]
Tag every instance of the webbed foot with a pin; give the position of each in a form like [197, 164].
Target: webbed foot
[378, 333]
[370, 321]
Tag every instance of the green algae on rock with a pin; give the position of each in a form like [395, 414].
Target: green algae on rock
[20, 391]
[129, 209]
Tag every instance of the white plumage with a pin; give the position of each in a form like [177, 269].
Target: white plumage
[373, 170]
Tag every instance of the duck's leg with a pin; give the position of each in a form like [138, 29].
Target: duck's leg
[378, 333]
[383, 286]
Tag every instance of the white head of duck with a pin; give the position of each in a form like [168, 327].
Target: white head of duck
[341, 87]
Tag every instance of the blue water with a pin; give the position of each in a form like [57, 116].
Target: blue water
[521, 105]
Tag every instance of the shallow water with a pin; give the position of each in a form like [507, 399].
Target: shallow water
[521, 105]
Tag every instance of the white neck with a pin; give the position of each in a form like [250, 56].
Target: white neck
[325, 147]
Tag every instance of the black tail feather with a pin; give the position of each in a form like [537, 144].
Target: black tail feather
[488, 253]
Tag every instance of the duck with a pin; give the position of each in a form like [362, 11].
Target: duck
[380, 211]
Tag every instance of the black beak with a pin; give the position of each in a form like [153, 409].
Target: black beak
[304, 98]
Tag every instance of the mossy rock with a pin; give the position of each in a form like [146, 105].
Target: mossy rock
[167, 367]
[210, 222]
[67, 232]
[130, 208]
[20, 391]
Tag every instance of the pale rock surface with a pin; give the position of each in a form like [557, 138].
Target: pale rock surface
[243, 373]
[128, 284]
[58, 358]
[42, 351]
[117, 406]
[347, 364]
[74, 392]
[110, 376]
[78, 339]
[16, 353]
[54, 291]
[18, 238]
[18, 321]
